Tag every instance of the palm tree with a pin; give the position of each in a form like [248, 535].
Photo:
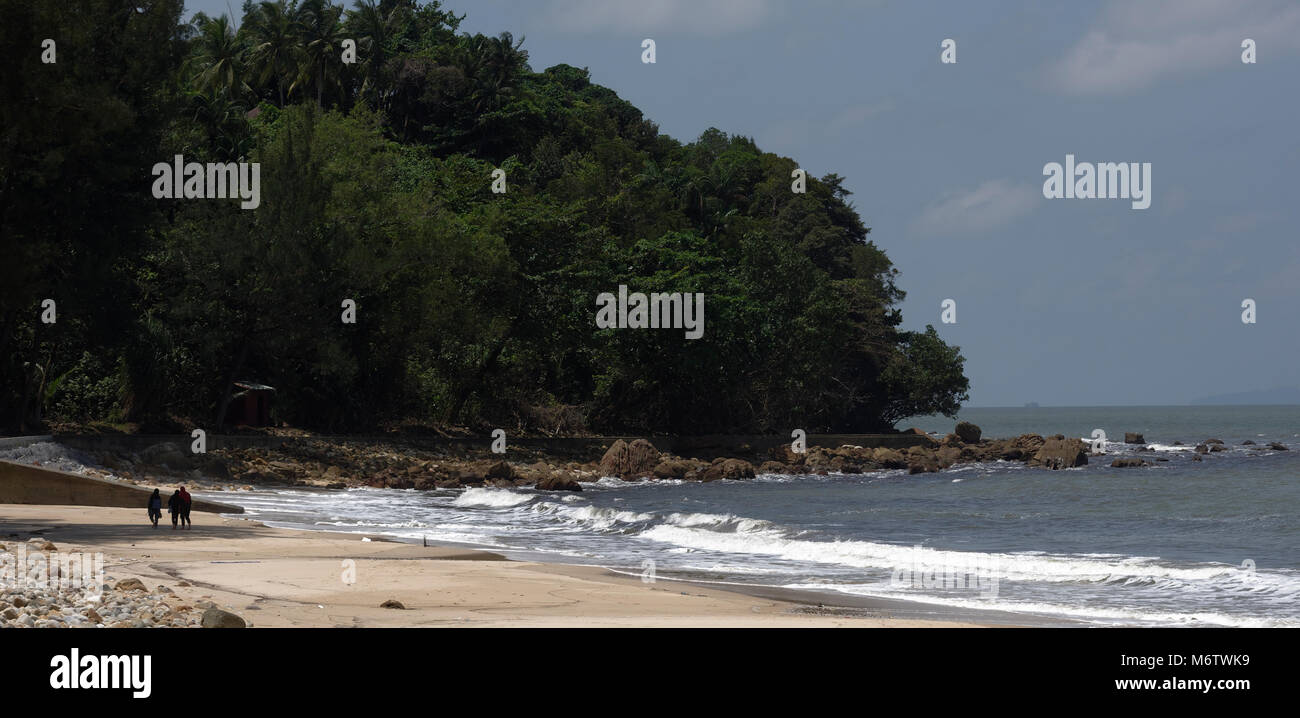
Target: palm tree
[276, 52]
[323, 36]
[505, 61]
[494, 64]
[223, 119]
[217, 64]
[376, 30]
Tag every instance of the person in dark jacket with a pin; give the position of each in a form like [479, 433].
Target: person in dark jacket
[155, 507]
[174, 506]
[186, 502]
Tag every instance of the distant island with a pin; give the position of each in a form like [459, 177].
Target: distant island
[1281, 395]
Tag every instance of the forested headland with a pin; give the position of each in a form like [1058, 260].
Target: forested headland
[473, 308]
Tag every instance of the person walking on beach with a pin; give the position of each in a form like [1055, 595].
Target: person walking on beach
[155, 507]
[174, 506]
[186, 503]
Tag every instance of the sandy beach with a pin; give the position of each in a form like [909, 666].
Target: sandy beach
[282, 578]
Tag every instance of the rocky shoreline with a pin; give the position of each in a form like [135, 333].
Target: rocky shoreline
[337, 465]
[126, 603]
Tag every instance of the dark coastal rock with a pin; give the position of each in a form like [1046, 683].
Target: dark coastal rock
[393, 603]
[1276, 446]
[728, 469]
[773, 467]
[1196, 457]
[923, 465]
[1133, 438]
[1218, 447]
[1247, 442]
[501, 470]
[673, 468]
[1178, 443]
[947, 456]
[1061, 453]
[787, 455]
[1019, 448]
[914, 430]
[890, 458]
[169, 455]
[854, 453]
[1202, 449]
[630, 461]
[1212, 441]
[216, 618]
[968, 432]
[130, 584]
[558, 482]
[424, 483]
[1125, 463]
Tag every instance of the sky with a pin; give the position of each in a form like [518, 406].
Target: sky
[1063, 302]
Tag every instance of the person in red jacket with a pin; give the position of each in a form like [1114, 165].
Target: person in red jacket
[186, 503]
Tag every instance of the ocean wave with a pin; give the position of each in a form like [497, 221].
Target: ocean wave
[594, 517]
[1037, 567]
[492, 498]
[1090, 613]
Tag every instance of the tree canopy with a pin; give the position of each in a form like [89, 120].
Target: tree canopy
[473, 308]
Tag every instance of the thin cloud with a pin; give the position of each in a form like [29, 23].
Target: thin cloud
[705, 17]
[1135, 45]
[988, 206]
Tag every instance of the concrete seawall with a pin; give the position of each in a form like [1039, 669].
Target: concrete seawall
[25, 484]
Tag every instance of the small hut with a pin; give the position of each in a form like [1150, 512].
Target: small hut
[251, 404]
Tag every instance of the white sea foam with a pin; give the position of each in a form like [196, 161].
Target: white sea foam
[492, 498]
[761, 538]
[1080, 612]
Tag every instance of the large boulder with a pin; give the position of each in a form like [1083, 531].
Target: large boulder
[130, 584]
[923, 465]
[558, 482]
[947, 456]
[1125, 463]
[728, 469]
[968, 432]
[216, 618]
[674, 468]
[1061, 453]
[1133, 438]
[169, 455]
[630, 461]
[890, 458]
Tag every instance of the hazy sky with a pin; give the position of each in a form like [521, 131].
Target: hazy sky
[1059, 301]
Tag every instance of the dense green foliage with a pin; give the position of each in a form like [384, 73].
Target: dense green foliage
[474, 308]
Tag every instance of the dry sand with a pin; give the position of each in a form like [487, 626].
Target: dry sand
[282, 578]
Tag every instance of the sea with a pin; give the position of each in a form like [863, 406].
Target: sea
[1176, 543]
